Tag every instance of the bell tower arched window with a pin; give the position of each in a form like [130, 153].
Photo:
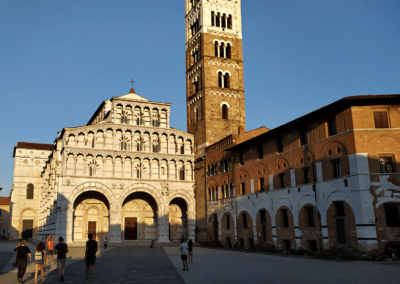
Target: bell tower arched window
[223, 19]
[224, 111]
[29, 191]
[228, 51]
[230, 22]
[182, 173]
[220, 80]
[227, 81]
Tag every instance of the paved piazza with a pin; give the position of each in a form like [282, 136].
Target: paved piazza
[139, 265]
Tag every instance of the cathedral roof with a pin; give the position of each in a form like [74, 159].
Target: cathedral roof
[133, 96]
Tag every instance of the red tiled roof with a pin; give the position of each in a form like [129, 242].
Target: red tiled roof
[35, 146]
[5, 200]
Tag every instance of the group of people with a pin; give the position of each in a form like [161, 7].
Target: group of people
[41, 257]
[186, 250]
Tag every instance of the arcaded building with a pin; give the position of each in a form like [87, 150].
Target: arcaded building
[327, 179]
[126, 175]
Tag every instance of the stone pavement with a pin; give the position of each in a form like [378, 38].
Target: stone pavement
[218, 266]
[115, 265]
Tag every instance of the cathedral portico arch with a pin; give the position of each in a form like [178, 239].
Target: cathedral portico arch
[28, 223]
[146, 188]
[92, 186]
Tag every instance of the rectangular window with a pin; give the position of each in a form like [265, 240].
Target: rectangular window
[243, 188]
[392, 215]
[242, 159]
[285, 218]
[337, 170]
[261, 184]
[280, 145]
[263, 216]
[306, 173]
[304, 137]
[381, 119]
[282, 180]
[339, 208]
[228, 225]
[260, 152]
[332, 130]
[244, 220]
[310, 216]
[386, 165]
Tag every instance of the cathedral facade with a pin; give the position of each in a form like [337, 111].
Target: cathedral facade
[126, 175]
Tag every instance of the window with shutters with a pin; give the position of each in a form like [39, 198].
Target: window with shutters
[337, 170]
[29, 191]
[381, 119]
[282, 180]
[386, 165]
[242, 159]
[280, 145]
[310, 216]
[260, 152]
[306, 173]
[263, 216]
[244, 216]
[304, 137]
[332, 129]
[261, 183]
[224, 112]
[392, 215]
[339, 208]
[243, 188]
[285, 218]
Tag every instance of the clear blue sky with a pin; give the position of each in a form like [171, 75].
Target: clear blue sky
[60, 59]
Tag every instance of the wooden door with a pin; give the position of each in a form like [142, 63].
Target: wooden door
[341, 231]
[27, 229]
[92, 229]
[130, 228]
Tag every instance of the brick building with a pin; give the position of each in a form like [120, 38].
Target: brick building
[326, 179]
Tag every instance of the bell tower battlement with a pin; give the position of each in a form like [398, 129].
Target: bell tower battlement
[214, 71]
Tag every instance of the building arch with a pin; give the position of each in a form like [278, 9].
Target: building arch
[88, 186]
[142, 187]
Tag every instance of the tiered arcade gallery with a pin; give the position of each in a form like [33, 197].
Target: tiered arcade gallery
[126, 175]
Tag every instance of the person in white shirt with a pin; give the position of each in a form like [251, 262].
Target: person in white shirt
[105, 243]
[184, 252]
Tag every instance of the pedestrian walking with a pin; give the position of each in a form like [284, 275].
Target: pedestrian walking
[40, 260]
[190, 247]
[105, 243]
[22, 253]
[61, 251]
[184, 252]
[90, 255]
[50, 249]
[152, 245]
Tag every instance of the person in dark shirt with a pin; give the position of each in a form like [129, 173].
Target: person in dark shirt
[22, 253]
[61, 250]
[90, 255]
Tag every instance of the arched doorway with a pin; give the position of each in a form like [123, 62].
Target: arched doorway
[139, 217]
[264, 227]
[91, 215]
[178, 224]
[245, 229]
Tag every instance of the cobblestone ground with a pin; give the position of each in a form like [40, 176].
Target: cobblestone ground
[118, 265]
[212, 266]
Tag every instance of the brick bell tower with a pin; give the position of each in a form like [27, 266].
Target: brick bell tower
[214, 83]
